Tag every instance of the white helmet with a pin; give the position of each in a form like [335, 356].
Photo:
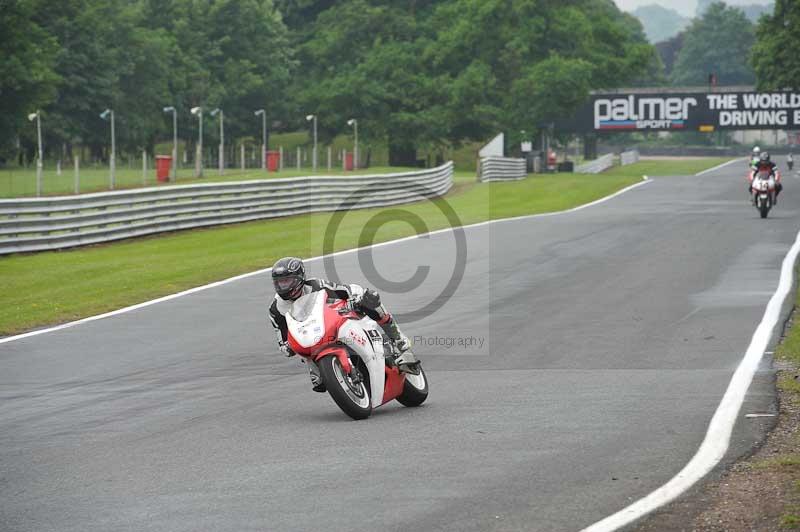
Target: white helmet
[756, 150]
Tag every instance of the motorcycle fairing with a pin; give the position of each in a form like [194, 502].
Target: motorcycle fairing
[354, 334]
[339, 352]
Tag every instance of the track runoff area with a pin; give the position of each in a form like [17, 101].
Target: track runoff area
[623, 344]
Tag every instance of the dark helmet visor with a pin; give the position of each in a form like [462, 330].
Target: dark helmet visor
[287, 285]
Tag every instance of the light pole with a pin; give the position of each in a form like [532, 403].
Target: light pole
[198, 163]
[314, 154]
[112, 160]
[221, 138]
[524, 142]
[263, 137]
[526, 149]
[353, 122]
[38, 117]
[174, 112]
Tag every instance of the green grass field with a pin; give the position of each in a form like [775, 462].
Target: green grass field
[52, 287]
[21, 182]
[656, 168]
[18, 183]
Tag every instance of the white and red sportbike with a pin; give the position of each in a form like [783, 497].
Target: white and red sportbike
[763, 187]
[354, 358]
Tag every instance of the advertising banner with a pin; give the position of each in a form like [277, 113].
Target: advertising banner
[699, 111]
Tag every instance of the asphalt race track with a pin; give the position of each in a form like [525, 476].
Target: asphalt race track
[609, 336]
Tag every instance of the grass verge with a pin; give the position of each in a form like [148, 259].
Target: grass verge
[786, 464]
[53, 287]
[656, 168]
[16, 182]
[20, 182]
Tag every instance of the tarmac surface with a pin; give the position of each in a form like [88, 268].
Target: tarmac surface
[573, 370]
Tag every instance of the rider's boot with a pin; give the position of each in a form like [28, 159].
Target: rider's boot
[316, 380]
[404, 357]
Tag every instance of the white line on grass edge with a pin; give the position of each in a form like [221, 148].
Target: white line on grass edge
[718, 437]
[718, 167]
[265, 270]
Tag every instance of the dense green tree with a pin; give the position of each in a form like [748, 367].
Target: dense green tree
[27, 78]
[233, 54]
[776, 54]
[718, 43]
[751, 11]
[299, 14]
[426, 73]
[362, 61]
[140, 86]
[526, 63]
[137, 57]
[108, 58]
[415, 73]
[251, 66]
[568, 82]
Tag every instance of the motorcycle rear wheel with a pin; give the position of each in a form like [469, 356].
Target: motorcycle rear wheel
[353, 398]
[415, 389]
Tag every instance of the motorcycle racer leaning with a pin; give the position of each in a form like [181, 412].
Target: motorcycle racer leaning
[765, 163]
[290, 282]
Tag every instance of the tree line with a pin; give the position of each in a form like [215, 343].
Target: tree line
[417, 74]
[75, 58]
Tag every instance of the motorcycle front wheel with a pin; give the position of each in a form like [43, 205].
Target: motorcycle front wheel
[350, 395]
[764, 209]
[415, 389]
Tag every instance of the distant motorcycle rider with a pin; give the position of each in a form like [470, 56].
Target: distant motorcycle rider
[290, 282]
[790, 161]
[765, 164]
[754, 157]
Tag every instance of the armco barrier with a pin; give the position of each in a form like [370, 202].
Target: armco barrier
[598, 165]
[36, 224]
[628, 157]
[501, 169]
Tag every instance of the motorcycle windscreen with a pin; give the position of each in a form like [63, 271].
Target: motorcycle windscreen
[303, 307]
[306, 319]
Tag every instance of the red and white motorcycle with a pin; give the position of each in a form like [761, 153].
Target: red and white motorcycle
[354, 358]
[763, 190]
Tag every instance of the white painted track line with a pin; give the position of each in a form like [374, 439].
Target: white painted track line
[718, 437]
[718, 167]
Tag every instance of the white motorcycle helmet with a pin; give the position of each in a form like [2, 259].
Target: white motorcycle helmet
[756, 151]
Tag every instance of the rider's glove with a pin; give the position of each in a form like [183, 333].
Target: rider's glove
[284, 348]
